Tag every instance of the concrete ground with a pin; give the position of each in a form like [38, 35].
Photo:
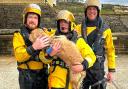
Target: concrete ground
[9, 73]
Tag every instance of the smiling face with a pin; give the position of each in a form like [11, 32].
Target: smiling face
[32, 21]
[92, 13]
[64, 26]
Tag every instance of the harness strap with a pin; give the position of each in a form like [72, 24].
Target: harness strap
[83, 30]
[67, 79]
[59, 62]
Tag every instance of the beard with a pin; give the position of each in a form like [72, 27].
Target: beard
[31, 25]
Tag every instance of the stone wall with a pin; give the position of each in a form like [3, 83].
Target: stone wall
[118, 23]
[6, 45]
[22, 1]
[121, 42]
[11, 15]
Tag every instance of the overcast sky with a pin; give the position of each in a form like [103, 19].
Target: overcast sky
[120, 2]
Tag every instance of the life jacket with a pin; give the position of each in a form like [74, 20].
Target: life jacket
[96, 41]
[35, 56]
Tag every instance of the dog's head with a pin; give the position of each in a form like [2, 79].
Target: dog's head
[36, 33]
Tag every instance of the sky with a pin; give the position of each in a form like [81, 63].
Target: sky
[119, 2]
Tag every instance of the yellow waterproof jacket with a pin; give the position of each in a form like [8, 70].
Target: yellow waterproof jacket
[22, 55]
[86, 52]
[110, 50]
[58, 74]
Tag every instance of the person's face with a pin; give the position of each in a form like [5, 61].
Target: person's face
[92, 13]
[64, 26]
[32, 21]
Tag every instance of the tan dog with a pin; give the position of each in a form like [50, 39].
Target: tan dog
[36, 33]
[69, 53]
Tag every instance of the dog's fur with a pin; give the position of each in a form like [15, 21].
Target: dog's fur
[69, 53]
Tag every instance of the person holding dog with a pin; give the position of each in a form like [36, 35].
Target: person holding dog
[59, 72]
[32, 71]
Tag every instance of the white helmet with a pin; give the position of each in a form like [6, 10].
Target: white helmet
[93, 3]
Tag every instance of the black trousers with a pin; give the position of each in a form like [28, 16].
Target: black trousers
[92, 77]
[31, 79]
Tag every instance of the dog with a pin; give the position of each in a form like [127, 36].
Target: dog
[69, 53]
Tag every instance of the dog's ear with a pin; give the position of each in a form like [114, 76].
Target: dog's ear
[43, 31]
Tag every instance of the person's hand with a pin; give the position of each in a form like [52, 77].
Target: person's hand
[77, 67]
[110, 77]
[41, 42]
[55, 48]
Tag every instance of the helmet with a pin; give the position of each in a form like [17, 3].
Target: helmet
[66, 15]
[32, 8]
[93, 3]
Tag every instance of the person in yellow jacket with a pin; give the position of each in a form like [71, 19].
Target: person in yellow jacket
[59, 74]
[32, 71]
[99, 37]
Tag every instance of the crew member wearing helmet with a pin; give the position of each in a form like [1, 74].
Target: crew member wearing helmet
[32, 71]
[59, 74]
[99, 37]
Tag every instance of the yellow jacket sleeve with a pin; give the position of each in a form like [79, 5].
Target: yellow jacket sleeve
[45, 58]
[19, 46]
[86, 52]
[110, 50]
